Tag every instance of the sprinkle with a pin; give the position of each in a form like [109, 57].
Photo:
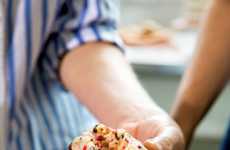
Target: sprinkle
[116, 136]
[85, 147]
[70, 147]
[95, 129]
[100, 138]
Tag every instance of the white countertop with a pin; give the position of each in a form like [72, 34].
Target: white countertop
[164, 56]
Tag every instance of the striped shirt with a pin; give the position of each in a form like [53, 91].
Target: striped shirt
[41, 114]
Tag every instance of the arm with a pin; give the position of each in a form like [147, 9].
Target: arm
[100, 77]
[208, 72]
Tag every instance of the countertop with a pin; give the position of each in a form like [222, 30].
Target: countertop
[164, 59]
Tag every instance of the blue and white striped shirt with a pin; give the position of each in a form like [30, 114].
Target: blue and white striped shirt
[41, 115]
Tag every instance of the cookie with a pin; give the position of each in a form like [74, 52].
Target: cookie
[102, 137]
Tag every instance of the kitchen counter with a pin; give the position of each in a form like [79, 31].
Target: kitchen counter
[164, 59]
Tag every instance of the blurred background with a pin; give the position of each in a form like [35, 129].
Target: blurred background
[159, 67]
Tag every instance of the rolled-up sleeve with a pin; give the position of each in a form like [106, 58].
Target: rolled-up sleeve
[79, 22]
[87, 21]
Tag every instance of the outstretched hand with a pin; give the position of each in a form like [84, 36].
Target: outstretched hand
[158, 132]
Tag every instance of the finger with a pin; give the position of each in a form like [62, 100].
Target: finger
[157, 143]
[169, 139]
[151, 145]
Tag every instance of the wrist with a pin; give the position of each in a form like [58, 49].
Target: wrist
[184, 115]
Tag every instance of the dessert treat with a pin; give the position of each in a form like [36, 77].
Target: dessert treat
[147, 33]
[105, 138]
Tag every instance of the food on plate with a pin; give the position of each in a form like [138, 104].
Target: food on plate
[147, 33]
[102, 137]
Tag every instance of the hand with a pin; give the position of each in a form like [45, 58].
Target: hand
[158, 132]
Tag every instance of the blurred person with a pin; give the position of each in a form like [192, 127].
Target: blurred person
[208, 73]
[63, 55]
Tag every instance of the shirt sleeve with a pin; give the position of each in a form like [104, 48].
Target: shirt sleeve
[86, 21]
[79, 22]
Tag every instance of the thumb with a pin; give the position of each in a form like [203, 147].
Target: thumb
[151, 145]
[168, 139]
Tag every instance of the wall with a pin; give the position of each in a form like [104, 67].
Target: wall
[161, 10]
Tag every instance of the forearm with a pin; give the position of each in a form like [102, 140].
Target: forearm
[208, 72]
[102, 80]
